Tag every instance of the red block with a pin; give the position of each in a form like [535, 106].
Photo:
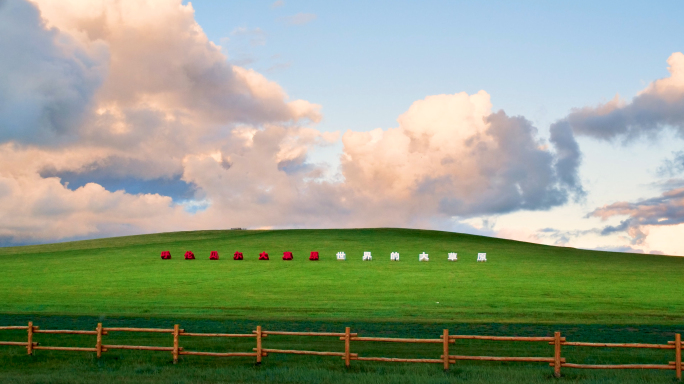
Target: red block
[213, 255]
[238, 256]
[165, 255]
[189, 255]
[287, 255]
[263, 256]
[314, 256]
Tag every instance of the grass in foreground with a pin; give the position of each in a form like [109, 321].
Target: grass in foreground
[156, 367]
[521, 282]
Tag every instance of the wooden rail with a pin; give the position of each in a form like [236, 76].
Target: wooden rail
[503, 338]
[218, 354]
[393, 340]
[557, 361]
[65, 349]
[221, 335]
[398, 360]
[58, 331]
[619, 366]
[503, 358]
[333, 334]
[138, 347]
[153, 330]
[346, 336]
[673, 365]
[298, 352]
[618, 345]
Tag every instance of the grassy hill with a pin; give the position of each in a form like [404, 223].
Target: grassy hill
[521, 282]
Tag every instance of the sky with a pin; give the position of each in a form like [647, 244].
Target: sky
[556, 123]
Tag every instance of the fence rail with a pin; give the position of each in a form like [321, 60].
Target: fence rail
[557, 361]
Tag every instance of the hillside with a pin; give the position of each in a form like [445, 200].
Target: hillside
[521, 282]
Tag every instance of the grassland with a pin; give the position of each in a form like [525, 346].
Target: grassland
[524, 289]
[521, 282]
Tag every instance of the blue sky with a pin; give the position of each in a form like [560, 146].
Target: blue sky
[366, 62]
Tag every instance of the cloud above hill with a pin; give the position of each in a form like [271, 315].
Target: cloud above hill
[48, 81]
[667, 209]
[155, 130]
[121, 89]
[451, 155]
[657, 107]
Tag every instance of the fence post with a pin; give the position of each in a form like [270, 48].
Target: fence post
[678, 356]
[445, 349]
[556, 354]
[176, 332]
[347, 340]
[29, 345]
[258, 341]
[98, 345]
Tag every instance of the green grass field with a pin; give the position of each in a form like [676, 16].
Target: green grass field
[521, 282]
[524, 289]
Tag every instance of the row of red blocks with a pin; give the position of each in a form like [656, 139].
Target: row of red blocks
[165, 255]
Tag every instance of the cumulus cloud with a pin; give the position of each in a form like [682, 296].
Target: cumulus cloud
[122, 93]
[162, 60]
[267, 181]
[139, 123]
[659, 106]
[451, 155]
[667, 209]
[52, 81]
[568, 157]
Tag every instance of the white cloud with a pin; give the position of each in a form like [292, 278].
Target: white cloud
[450, 155]
[658, 107]
[123, 89]
[665, 210]
[52, 81]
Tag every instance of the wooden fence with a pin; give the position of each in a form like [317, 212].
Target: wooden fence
[557, 362]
